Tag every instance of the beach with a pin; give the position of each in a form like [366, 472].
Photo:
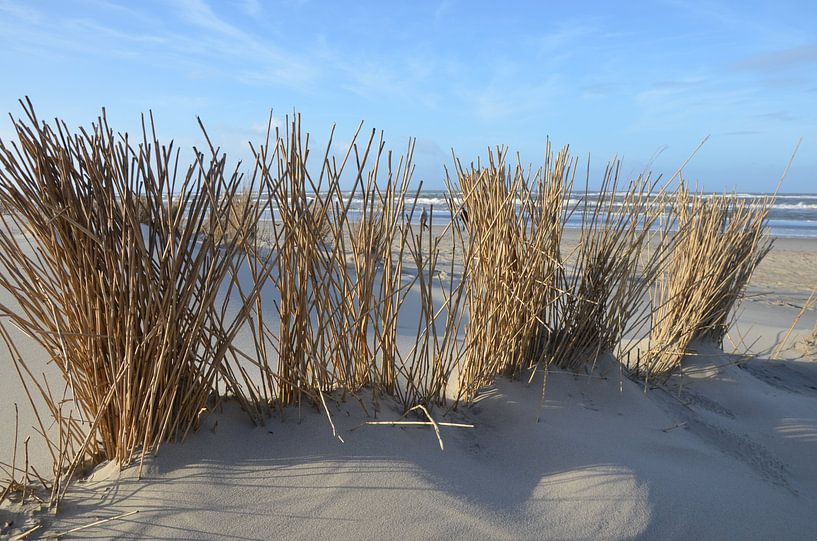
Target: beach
[724, 449]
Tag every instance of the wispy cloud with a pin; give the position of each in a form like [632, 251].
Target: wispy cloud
[21, 11]
[252, 8]
[265, 62]
[200, 14]
[561, 38]
[191, 47]
[700, 102]
[779, 116]
[678, 84]
[600, 89]
[442, 10]
[497, 101]
[411, 76]
[793, 58]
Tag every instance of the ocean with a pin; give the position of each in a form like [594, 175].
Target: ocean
[791, 215]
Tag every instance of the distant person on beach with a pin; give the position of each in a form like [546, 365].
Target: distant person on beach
[464, 215]
[424, 219]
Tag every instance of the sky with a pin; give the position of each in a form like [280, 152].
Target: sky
[642, 81]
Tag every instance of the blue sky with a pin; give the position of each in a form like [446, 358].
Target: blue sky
[623, 78]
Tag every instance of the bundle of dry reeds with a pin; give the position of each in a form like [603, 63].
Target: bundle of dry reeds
[232, 227]
[341, 261]
[720, 242]
[301, 265]
[358, 257]
[143, 212]
[514, 221]
[618, 257]
[130, 315]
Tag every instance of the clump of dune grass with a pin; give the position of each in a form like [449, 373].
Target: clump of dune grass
[322, 344]
[145, 215]
[142, 210]
[241, 210]
[301, 269]
[359, 295]
[606, 280]
[354, 263]
[392, 244]
[513, 218]
[130, 315]
[720, 241]
[345, 263]
[367, 235]
[811, 338]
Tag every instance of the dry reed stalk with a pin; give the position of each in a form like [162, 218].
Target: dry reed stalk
[721, 241]
[781, 346]
[430, 422]
[619, 255]
[130, 316]
[99, 522]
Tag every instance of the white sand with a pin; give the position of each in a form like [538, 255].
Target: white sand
[724, 451]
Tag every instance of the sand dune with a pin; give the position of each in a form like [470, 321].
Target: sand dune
[721, 453]
[724, 450]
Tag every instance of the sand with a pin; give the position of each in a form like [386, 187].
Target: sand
[725, 449]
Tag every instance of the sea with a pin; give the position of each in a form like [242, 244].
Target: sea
[791, 215]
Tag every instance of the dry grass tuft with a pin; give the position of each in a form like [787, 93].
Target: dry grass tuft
[238, 224]
[130, 317]
[514, 221]
[720, 242]
[619, 255]
[341, 277]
